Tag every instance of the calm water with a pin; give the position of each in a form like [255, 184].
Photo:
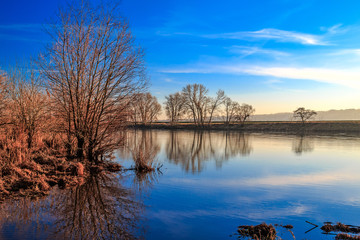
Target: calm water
[210, 183]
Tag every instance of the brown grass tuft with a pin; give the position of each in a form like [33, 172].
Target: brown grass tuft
[143, 162]
[345, 236]
[258, 232]
[340, 227]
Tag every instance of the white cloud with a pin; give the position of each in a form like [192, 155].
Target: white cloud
[273, 81]
[188, 70]
[246, 51]
[273, 34]
[349, 78]
[335, 29]
[344, 77]
[350, 51]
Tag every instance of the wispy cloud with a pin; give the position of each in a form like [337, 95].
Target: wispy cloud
[247, 51]
[170, 80]
[23, 27]
[22, 32]
[335, 29]
[189, 70]
[273, 81]
[273, 34]
[10, 37]
[349, 51]
[263, 34]
[349, 78]
[344, 77]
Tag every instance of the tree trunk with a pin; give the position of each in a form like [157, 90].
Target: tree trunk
[80, 147]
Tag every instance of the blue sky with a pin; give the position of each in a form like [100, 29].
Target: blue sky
[276, 55]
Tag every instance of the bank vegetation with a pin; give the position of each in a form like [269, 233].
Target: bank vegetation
[62, 115]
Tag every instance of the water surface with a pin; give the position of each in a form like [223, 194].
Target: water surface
[210, 183]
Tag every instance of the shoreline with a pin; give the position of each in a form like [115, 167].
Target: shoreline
[315, 127]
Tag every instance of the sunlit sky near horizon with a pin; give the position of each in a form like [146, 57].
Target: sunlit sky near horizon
[276, 55]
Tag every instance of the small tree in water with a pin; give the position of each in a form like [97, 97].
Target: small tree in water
[304, 114]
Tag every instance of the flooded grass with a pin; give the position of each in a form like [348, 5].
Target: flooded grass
[345, 236]
[340, 227]
[262, 231]
[346, 232]
[36, 177]
[266, 231]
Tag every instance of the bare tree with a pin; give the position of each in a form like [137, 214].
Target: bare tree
[27, 101]
[155, 110]
[215, 103]
[304, 114]
[146, 108]
[231, 108]
[196, 102]
[174, 107]
[93, 68]
[244, 112]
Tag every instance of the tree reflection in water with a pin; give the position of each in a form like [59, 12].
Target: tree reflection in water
[191, 149]
[302, 144]
[100, 208]
[142, 145]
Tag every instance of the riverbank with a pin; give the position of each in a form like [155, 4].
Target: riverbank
[318, 127]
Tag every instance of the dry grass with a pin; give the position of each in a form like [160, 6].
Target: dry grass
[258, 232]
[340, 227]
[345, 236]
[143, 162]
[32, 172]
[344, 231]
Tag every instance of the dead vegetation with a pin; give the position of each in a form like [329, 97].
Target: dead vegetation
[265, 231]
[340, 227]
[347, 232]
[262, 231]
[143, 149]
[32, 172]
[268, 232]
[35, 176]
[345, 236]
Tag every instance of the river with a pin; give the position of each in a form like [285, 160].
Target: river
[208, 183]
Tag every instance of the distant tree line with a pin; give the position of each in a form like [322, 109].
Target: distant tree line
[194, 102]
